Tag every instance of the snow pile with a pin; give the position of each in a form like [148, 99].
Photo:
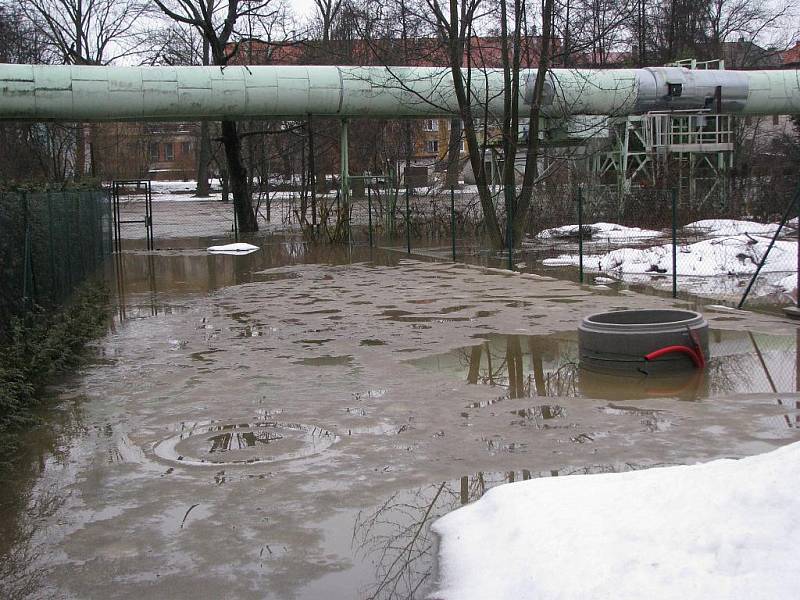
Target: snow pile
[724, 529]
[239, 248]
[599, 232]
[604, 280]
[788, 287]
[722, 227]
[737, 255]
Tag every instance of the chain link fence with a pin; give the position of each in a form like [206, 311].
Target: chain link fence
[710, 246]
[49, 243]
[416, 216]
[707, 243]
[705, 240]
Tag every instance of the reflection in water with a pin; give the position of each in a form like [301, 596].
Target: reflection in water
[549, 366]
[533, 415]
[30, 495]
[147, 282]
[238, 441]
[248, 443]
[396, 536]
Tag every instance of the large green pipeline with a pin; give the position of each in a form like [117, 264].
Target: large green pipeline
[81, 93]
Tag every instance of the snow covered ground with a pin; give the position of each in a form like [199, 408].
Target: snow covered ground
[737, 255]
[724, 529]
[600, 232]
[722, 227]
[788, 287]
[719, 265]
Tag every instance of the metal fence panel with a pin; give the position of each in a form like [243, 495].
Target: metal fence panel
[49, 243]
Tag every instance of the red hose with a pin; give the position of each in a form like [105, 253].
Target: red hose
[696, 356]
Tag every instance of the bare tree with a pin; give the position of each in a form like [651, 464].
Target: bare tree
[30, 150]
[215, 21]
[181, 44]
[86, 32]
[456, 24]
[747, 22]
[328, 11]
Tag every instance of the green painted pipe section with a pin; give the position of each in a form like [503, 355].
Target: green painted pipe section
[88, 93]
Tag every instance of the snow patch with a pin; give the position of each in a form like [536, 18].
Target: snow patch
[788, 287]
[738, 255]
[722, 227]
[724, 529]
[599, 231]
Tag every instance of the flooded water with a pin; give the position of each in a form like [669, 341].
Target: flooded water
[288, 424]
[739, 362]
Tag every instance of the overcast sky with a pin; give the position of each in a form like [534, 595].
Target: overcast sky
[786, 31]
[302, 8]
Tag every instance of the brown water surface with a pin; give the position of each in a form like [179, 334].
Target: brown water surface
[287, 424]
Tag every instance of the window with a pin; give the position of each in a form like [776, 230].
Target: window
[169, 152]
[430, 125]
[152, 149]
[186, 148]
[674, 89]
[432, 146]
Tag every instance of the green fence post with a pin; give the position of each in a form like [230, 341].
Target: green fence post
[109, 199]
[674, 243]
[93, 225]
[51, 249]
[369, 213]
[66, 239]
[508, 193]
[26, 256]
[580, 234]
[408, 222]
[235, 224]
[80, 240]
[453, 220]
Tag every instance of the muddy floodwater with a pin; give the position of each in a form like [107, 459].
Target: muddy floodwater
[289, 423]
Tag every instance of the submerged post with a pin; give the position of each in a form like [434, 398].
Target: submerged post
[580, 234]
[453, 220]
[344, 175]
[235, 226]
[408, 221]
[369, 213]
[508, 193]
[674, 243]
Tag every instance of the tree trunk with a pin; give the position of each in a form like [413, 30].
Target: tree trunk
[237, 174]
[475, 364]
[462, 94]
[203, 158]
[80, 152]
[532, 156]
